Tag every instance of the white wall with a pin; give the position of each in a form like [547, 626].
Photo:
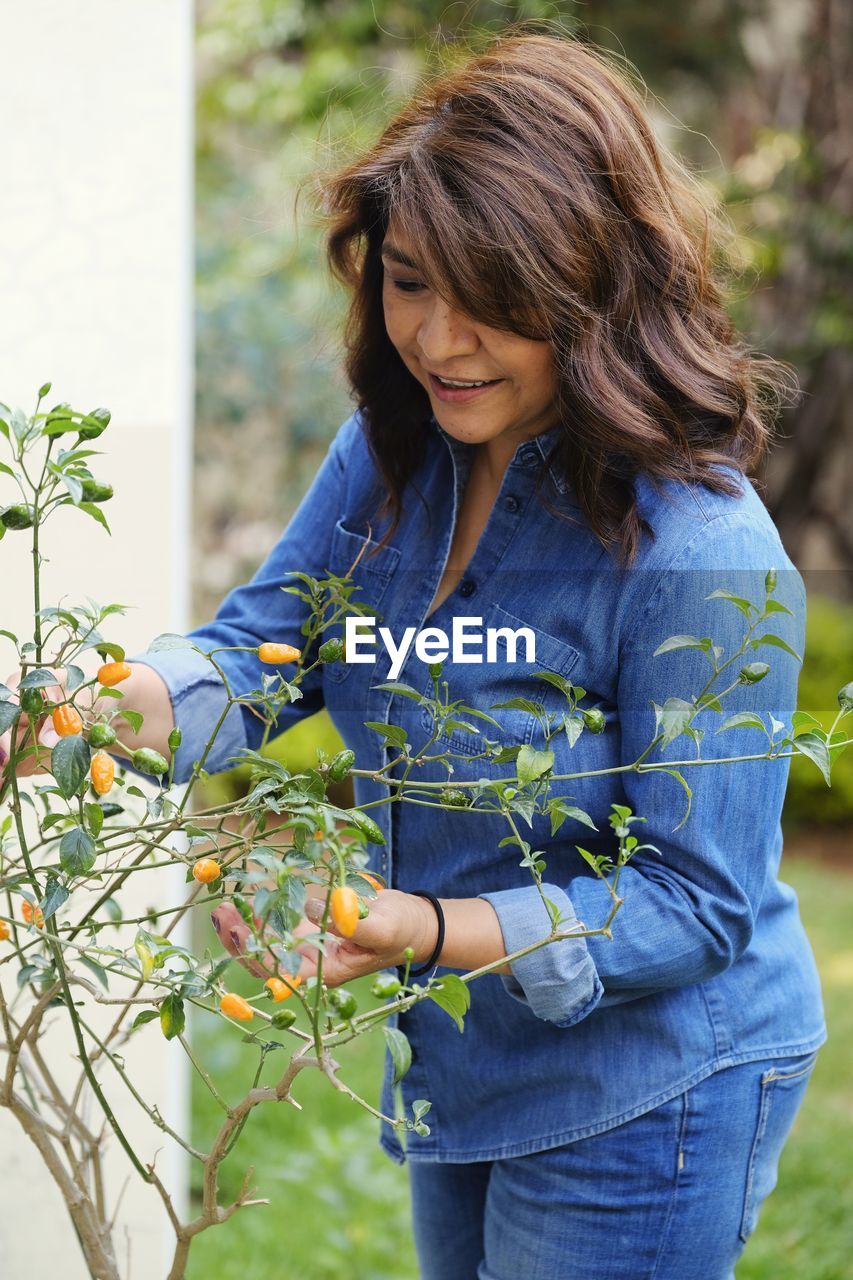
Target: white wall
[96, 278]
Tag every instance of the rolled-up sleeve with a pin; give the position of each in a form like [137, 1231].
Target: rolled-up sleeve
[688, 909]
[558, 982]
[258, 611]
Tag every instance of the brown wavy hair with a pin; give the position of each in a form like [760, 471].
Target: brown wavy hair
[539, 201]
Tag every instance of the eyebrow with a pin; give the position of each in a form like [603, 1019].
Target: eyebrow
[390, 250]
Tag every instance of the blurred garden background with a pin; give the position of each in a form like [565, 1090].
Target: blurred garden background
[757, 96]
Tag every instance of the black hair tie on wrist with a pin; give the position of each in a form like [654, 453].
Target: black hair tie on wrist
[433, 960]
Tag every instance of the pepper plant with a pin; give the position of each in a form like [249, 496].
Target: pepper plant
[70, 846]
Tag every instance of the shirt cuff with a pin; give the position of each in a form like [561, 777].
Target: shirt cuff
[559, 983]
[198, 699]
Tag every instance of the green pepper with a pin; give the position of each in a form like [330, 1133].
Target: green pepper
[94, 491]
[454, 797]
[753, 672]
[368, 828]
[385, 986]
[340, 765]
[101, 735]
[594, 720]
[343, 1001]
[18, 516]
[97, 422]
[283, 1019]
[331, 650]
[149, 761]
[32, 701]
[174, 740]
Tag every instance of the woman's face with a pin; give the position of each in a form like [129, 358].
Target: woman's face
[434, 341]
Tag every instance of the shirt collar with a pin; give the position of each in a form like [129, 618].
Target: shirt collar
[541, 444]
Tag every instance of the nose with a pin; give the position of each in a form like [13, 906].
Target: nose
[445, 332]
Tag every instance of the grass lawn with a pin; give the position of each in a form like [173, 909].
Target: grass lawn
[339, 1207]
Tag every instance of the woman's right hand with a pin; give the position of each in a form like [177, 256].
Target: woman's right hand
[46, 735]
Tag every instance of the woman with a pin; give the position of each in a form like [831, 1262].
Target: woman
[617, 1105]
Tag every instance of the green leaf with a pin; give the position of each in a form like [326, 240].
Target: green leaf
[520, 704]
[390, 732]
[774, 606]
[559, 682]
[170, 640]
[147, 1015]
[9, 712]
[95, 512]
[69, 763]
[600, 863]
[559, 811]
[77, 851]
[94, 816]
[675, 717]
[74, 487]
[801, 718]
[682, 642]
[98, 970]
[143, 952]
[531, 764]
[777, 642]
[674, 773]
[400, 1050]
[816, 749]
[172, 1020]
[54, 896]
[134, 718]
[38, 678]
[452, 995]
[573, 726]
[397, 686]
[745, 606]
[743, 720]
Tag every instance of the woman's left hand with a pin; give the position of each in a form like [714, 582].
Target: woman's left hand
[394, 922]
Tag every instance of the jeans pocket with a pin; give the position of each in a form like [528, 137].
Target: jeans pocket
[782, 1088]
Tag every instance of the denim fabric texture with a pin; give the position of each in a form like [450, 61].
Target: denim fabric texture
[708, 965]
[673, 1194]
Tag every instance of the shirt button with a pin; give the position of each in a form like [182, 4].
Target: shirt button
[467, 588]
[528, 457]
[511, 503]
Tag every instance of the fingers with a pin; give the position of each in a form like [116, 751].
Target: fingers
[31, 731]
[233, 933]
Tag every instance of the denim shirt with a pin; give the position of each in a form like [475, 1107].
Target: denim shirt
[708, 964]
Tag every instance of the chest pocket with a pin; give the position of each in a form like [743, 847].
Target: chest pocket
[371, 575]
[480, 685]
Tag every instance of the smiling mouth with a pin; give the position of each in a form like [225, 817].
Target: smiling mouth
[465, 391]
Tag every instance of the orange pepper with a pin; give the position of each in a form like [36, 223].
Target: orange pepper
[102, 772]
[281, 989]
[278, 653]
[30, 914]
[236, 1007]
[345, 910]
[4, 931]
[66, 720]
[113, 673]
[207, 870]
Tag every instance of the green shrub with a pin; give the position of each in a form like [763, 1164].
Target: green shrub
[827, 666]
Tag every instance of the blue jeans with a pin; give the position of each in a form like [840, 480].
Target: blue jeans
[671, 1195]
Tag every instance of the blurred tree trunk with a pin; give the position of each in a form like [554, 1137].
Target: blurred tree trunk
[809, 480]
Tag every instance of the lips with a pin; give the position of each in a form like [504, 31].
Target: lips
[460, 394]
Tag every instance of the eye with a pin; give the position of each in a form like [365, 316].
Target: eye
[407, 286]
